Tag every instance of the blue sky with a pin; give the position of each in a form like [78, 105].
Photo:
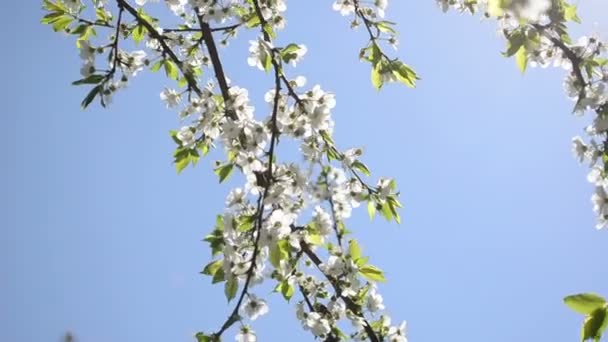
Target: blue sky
[102, 238]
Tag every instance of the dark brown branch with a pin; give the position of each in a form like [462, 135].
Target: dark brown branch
[213, 29]
[570, 55]
[192, 84]
[207, 37]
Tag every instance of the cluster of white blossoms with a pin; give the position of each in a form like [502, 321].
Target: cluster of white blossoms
[537, 36]
[285, 217]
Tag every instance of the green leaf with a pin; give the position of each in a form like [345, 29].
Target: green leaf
[570, 14]
[213, 267]
[386, 211]
[92, 79]
[102, 15]
[246, 223]
[372, 273]
[224, 171]
[184, 157]
[182, 82]
[392, 205]
[290, 52]
[371, 209]
[268, 29]
[181, 164]
[515, 41]
[51, 17]
[62, 22]
[584, 303]
[230, 288]
[594, 325]
[361, 167]
[361, 261]
[354, 250]
[139, 33]
[219, 276]
[53, 6]
[171, 70]
[377, 76]
[90, 97]
[267, 61]
[385, 26]
[253, 21]
[521, 58]
[286, 289]
[404, 73]
[201, 337]
[314, 239]
[278, 252]
[156, 66]
[375, 54]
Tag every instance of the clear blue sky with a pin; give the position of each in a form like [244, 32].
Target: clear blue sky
[102, 238]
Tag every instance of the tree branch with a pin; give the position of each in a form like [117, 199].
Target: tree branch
[192, 83]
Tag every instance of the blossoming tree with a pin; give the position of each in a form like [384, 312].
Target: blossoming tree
[286, 225]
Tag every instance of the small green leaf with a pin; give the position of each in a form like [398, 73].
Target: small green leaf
[201, 337]
[515, 41]
[371, 209]
[181, 164]
[267, 61]
[286, 289]
[139, 33]
[385, 26]
[584, 303]
[156, 66]
[171, 70]
[51, 17]
[361, 261]
[375, 54]
[246, 223]
[314, 239]
[253, 21]
[377, 76]
[372, 273]
[521, 58]
[361, 167]
[230, 288]
[90, 97]
[404, 73]
[102, 15]
[62, 22]
[290, 52]
[278, 252]
[213, 267]
[92, 79]
[219, 276]
[570, 14]
[594, 325]
[354, 250]
[224, 171]
[386, 211]
[53, 6]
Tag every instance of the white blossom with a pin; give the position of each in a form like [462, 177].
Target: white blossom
[397, 334]
[374, 300]
[318, 325]
[254, 307]
[246, 334]
[186, 136]
[345, 7]
[171, 97]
